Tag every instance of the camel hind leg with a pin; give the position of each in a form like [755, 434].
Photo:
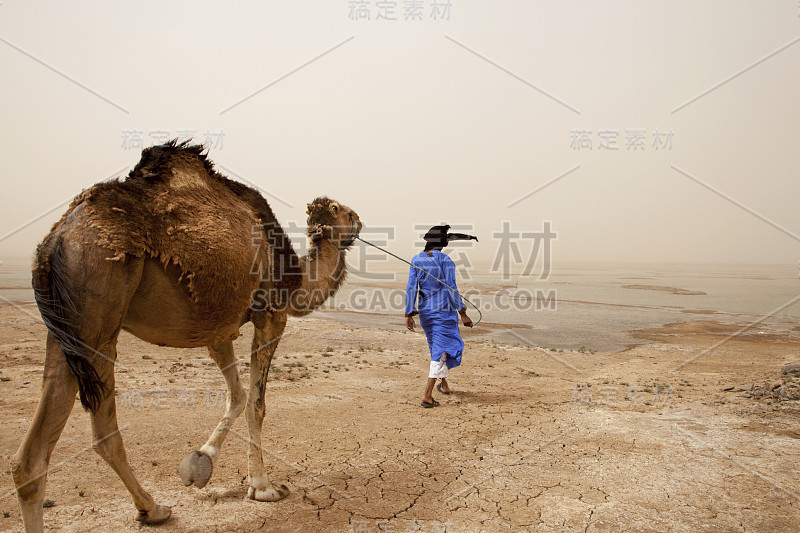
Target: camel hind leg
[196, 467]
[82, 298]
[108, 444]
[106, 297]
[29, 465]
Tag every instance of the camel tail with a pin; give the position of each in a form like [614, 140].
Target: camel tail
[58, 307]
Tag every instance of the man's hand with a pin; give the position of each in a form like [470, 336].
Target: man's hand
[410, 323]
[466, 320]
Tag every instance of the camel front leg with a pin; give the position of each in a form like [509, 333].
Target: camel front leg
[197, 466]
[264, 343]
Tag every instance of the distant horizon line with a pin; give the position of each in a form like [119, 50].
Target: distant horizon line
[27, 261]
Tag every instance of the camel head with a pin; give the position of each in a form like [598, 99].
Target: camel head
[328, 219]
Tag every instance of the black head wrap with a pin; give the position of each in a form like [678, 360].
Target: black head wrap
[438, 237]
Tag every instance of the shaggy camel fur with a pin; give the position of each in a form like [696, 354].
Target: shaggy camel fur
[177, 255]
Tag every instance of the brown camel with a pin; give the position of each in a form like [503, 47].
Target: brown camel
[181, 256]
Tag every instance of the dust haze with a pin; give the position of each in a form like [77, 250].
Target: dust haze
[645, 132]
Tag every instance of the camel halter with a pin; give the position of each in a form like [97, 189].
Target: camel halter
[480, 315]
[350, 238]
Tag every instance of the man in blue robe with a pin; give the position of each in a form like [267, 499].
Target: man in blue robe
[438, 307]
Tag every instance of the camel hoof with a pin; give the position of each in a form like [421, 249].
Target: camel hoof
[196, 468]
[158, 515]
[268, 495]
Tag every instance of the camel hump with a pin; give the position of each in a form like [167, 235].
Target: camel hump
[176, 165]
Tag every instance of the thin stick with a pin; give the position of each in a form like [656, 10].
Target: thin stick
[429, 274]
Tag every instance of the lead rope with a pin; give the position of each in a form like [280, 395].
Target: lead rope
[480, 315]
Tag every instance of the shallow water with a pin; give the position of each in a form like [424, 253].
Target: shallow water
[592, 307]
[587, 306]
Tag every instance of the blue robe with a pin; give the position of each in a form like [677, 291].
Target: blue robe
[438, 306]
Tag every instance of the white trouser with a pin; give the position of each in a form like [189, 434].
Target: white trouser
[439, 368]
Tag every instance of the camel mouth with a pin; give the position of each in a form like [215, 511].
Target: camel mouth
[354, 230]
[359, 225]
[342, 223]
[350, 239]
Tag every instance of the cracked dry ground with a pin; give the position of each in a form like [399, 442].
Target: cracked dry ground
[526, 444]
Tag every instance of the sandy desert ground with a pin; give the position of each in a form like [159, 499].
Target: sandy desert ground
[533, 440]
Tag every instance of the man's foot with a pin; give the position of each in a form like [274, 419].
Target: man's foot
[428, 405]
[443, 388]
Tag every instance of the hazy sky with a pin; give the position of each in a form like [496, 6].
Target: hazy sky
[414, 122]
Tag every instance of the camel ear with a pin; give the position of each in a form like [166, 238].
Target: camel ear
[308, 209]
[334, 207]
